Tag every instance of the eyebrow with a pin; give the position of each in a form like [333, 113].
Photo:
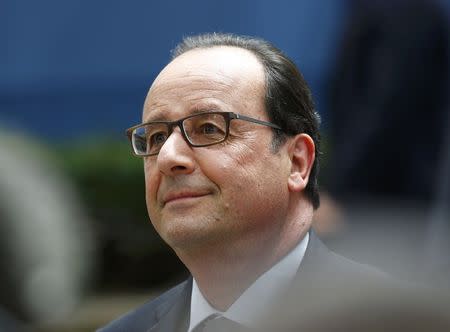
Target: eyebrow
[200, 108]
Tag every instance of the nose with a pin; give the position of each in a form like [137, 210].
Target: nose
[175, 156]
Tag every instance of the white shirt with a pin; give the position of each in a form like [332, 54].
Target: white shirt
[251, 305]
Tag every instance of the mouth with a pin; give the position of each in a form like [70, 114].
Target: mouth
[183, 197]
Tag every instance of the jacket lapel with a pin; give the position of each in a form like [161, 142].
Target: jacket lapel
[173, 315]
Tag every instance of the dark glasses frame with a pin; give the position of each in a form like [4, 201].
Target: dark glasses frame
[228, 116]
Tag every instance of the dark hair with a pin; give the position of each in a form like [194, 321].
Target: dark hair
[288, 98]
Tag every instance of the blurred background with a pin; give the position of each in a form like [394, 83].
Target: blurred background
[77, 248]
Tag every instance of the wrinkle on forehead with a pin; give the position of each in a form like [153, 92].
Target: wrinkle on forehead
[192, 81]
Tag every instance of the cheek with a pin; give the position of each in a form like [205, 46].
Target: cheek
[262, 176]
[246, 176]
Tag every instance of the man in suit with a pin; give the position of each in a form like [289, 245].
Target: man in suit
[230, 141]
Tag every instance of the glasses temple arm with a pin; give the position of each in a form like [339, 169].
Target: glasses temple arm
[264, 123]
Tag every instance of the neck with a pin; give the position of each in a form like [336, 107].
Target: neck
[224, 271]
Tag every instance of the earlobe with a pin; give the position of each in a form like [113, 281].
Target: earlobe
[296, 182]
[302, 155]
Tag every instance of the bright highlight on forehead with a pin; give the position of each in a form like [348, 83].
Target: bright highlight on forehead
[226, 61]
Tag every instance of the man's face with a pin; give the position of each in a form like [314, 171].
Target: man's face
[230, 193]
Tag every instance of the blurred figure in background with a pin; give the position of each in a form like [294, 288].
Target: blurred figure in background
[389, 169]
[44, 240]
[373, 309]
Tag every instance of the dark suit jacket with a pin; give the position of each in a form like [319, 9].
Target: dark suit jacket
[321, 271]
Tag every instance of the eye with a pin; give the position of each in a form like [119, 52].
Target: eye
[209, 129]
[205, 128]
[157, 139]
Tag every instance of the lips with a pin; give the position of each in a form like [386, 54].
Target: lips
[181, 195]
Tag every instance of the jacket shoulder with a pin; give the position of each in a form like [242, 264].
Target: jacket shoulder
[325, 270]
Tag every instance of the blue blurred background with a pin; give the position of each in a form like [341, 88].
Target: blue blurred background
[71, 67]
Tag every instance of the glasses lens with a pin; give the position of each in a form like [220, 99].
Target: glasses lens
[150, 138]
[205, 129]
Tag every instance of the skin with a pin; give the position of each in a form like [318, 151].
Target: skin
[230, 211]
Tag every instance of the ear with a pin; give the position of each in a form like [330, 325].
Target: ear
[302, 153]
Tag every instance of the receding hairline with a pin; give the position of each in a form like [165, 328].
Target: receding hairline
[249, 54]
[199, 49]
[258, 70]
[212, 47]
[252, 54]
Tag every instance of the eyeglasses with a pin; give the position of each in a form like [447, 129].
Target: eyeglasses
[202, 129]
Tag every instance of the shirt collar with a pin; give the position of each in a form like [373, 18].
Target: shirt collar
[251, 305]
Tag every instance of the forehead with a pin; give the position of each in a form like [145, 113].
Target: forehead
[220, 74]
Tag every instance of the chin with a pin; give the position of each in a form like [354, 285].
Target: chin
[188, 233]
[178, 232]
